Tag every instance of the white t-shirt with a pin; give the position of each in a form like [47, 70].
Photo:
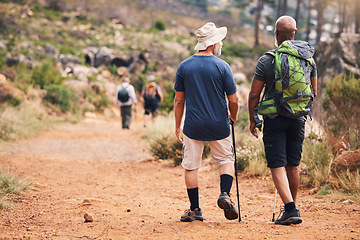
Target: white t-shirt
[131, 91]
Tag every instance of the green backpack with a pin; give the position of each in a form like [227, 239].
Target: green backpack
[290, 94]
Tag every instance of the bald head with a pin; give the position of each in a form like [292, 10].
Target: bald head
[285, 29]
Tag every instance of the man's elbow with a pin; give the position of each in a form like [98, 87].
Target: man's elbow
[179, 101]
[253, 96]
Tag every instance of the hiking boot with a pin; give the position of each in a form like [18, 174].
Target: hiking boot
[288, 218]
[190, 216]
[224, 202]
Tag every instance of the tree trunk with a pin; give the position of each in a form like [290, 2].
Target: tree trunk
[298, 6]
[357, 16]
[284, 7]
[342, 14]
[279, 7]
[320, 6]
[308, 20]
[260, 6]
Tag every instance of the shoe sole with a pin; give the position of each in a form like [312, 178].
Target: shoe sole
[191, 219]
[289, 221]
[229, 210]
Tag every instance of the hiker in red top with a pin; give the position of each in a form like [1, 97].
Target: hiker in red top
[152, 95]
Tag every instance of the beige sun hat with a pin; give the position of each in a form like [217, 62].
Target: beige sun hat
[208, 35]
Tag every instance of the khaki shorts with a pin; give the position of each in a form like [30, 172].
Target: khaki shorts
[221, 151]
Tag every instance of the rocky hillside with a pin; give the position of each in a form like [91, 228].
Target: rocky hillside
[89, 47]
[335, 57]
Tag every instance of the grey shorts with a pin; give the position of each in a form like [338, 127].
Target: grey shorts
[283, 140]
[221, 151]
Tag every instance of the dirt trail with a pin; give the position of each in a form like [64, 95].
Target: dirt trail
[96, 167]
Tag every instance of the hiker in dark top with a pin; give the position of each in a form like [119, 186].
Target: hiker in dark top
[282, 136]
[205, 82]
[126, 104]
[153, 96]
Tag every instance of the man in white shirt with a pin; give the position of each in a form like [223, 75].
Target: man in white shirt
[125, 98]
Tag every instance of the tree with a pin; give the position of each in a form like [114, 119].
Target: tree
[297, 11]
[279, 7]
[320, 7]
[342, 7]
[259, 8]
[308, 6]
[284, 7]
[357, 16]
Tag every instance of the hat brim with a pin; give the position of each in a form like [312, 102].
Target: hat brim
[219, 36]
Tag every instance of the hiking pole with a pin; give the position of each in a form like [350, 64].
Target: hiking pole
[273, 218]
[236, 172]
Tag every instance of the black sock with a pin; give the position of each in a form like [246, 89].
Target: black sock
[289, 206]
[193, 194]
[226, 183]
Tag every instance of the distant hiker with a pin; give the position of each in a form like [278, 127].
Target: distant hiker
[204, 82]
[125, 98]
[152, 95]
[290, 65]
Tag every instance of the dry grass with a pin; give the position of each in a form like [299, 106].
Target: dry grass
[9, 185]
[22, 122]
[317, 158]
[160, 126]
[349, 182]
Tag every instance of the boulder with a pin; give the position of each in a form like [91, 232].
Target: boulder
[89, 54]
[3, 44]
[103, 57]
[9, 73]
[346, 161]
[67, 59]
[334, 57]
[52, 51]
[11, 61]
[338, 56]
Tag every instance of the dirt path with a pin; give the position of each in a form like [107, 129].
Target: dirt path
[95, 167]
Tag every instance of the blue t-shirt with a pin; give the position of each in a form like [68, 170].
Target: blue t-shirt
[205, 81]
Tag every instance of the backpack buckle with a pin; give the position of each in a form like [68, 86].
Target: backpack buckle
[299, 94]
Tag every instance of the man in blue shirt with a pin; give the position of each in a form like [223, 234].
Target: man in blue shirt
[205, 82]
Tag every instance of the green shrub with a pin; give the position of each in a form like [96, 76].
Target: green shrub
[62, 96]
[342, 106]
[45, 75]
[113, 69]
[97, 97]
[159, 24]
[169, 94]
[251, 159]
[13, 100]
[325, 190]
[139, 82]
[168, 148]
[101, 103]
[243, 119]
[317, 159]
[236, 50]
[168, 104]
